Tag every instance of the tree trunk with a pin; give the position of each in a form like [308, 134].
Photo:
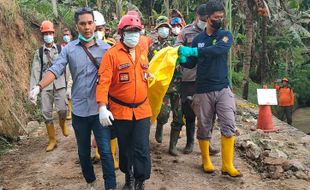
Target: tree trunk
[248, 49]
[264, 63]
[99, 5]
[54, 4]
[166, 3]
[86, 3]
[176, 4]
[119, 8]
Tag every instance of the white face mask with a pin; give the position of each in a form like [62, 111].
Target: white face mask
[66, 38]
[99, 35]
[48, 39]
[176, 30]
[131, 39]
[163, 32]
[201, 24]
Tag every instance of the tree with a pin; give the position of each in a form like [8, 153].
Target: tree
[54, 4]
[249, 8]
[119, 5]
[99, 5]
[166, 3]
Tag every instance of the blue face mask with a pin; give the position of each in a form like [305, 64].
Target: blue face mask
[66, 38]
[131, 39]
[81, 37]
[163, 32]
[48, 39]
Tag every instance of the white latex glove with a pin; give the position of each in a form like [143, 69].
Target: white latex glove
[68, 93]
[105, 116]
[33, 95]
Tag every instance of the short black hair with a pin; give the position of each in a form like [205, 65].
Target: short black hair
[81, 11]
[201, 10]
[213, 6]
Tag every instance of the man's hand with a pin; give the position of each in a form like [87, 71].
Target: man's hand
[105, 116]
[68, 93]
[33, 95]
[187, 51]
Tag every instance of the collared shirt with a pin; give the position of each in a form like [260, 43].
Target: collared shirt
[185, 38]
[49, 56]
[212, 69]
[84, 74]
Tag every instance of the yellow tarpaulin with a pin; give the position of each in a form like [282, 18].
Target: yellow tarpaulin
[162, 66]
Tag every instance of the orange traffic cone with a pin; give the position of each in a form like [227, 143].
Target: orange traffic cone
[264, 121]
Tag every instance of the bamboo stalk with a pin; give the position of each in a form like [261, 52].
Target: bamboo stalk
[18, 121]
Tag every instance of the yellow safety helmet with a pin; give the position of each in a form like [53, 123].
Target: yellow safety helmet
[285, 79]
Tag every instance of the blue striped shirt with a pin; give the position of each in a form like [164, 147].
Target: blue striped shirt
[84, 75]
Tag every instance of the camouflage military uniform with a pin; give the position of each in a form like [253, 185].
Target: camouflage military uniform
[187, 87]
[172, 95]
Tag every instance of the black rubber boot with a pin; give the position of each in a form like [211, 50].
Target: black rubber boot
[190, 133]
[139, 185]
[159, 133]
[174, 136]
[213, 151]
[129, 182]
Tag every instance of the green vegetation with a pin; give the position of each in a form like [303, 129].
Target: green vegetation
[280, 41]
[4, 146]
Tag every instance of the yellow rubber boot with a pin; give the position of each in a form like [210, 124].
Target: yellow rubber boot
[97, 155]
[52, 144]
[181, 134]
[206, 160]
[63, 127]
[69, 113]
[227, 157]
[113, 143]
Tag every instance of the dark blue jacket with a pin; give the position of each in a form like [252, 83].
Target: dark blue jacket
[212, 68]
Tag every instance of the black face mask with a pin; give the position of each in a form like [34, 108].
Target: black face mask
[217, 24]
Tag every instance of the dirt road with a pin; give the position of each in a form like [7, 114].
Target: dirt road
[27, 166]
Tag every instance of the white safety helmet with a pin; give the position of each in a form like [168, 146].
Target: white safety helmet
[99, 19]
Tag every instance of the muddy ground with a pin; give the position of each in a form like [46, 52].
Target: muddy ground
[28, 167]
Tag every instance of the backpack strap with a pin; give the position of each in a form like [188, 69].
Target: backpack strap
[41, 60]
[58, 48]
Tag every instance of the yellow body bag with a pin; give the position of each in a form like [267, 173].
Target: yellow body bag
[162, 66]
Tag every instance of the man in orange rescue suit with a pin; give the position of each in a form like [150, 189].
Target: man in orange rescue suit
[286, 100]
[122, 88]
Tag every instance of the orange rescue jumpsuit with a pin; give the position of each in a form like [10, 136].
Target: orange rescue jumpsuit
[123, 83]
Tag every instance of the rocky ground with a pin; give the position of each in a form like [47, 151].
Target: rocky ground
[268, 161]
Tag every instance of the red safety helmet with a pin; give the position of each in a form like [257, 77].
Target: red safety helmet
[134, 13]
[129, 22]
[47, 26]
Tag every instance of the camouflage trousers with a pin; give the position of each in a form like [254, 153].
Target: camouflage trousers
[175, 106]
[286, 112]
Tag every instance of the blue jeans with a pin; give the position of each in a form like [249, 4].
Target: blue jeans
[82, 128]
